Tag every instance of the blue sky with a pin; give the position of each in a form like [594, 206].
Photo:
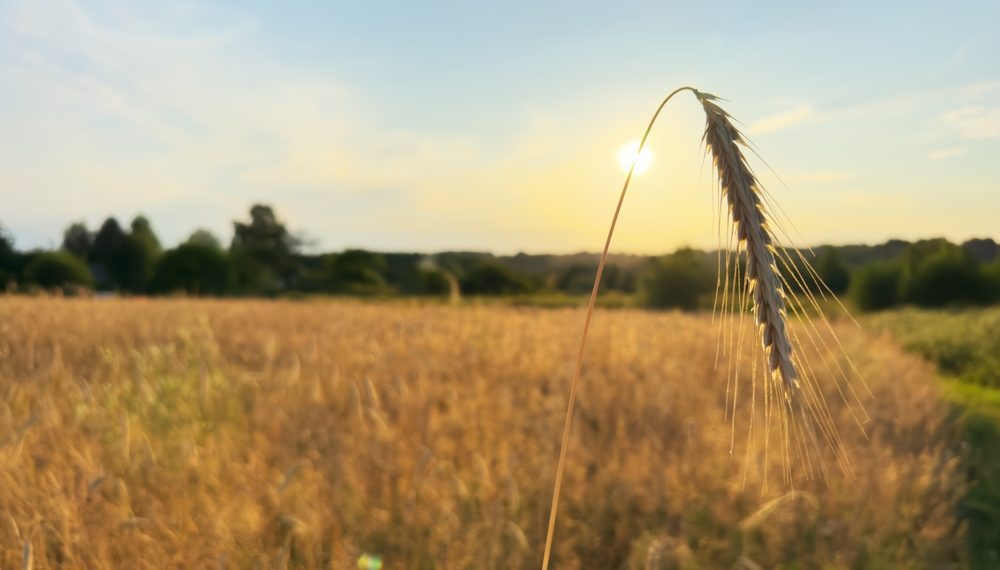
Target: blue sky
[473, 125]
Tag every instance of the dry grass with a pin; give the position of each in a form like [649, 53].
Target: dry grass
[190, 434]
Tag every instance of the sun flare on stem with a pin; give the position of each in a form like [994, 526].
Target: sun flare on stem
[630, 153]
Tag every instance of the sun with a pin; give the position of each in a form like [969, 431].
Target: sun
[630, 152]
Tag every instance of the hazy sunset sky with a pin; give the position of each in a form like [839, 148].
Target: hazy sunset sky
[494, 126]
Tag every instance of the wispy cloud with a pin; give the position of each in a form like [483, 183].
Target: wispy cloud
[176, 121]
[945, 153]
[974, 122]
[783, 120]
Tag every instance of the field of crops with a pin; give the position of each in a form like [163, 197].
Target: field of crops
[236, 434]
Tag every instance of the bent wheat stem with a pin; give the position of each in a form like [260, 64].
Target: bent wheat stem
[568, 422]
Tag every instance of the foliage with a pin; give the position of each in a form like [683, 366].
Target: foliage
[55, 269]
[263, 253]
[932, 273]
[9, 263]
[357, 269]
[965, 344]
[579, 279]
[832, 270]
[678, 281]
[139, 255]
[491, 278]
[195, 268]
[205, 238]
[937, 273]
[265, 258]
[107, 256]
[78, 240]
[876, 286]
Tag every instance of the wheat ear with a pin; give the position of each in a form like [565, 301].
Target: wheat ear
[739, 186]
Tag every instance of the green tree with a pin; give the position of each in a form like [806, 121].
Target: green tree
[436, 282]
[832, 271]
[107, 259]
[204, 237]
[138, 256]
[263, 252]
[875, 286]
[194, 268]
[579, 278]
[142, 231]
[937, 273]
[492, 278]
[58, 269]
[357, 271]
[78, 240]
[991, 278]
[680, 281]
[9, 260]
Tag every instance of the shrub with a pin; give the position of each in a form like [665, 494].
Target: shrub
[938, 274]
[876, 286]
[676, 281]
[490, 278]
[193, 268]
[58, 269]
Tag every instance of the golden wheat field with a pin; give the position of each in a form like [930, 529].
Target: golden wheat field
[277, 434]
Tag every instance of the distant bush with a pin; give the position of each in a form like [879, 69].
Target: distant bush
[435, 282]
[936, 274]
[490, 278]
[876, 286]
[991, 279]
[194, 268]
[678, 281]
[832, 270]
[58, 269]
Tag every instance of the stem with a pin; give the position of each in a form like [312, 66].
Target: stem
[568, 422]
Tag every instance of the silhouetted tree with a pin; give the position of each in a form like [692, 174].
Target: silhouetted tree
[832, 271]
[78, 240]
[142, 231]
[138, 256]
[579, 278]
[991, 277]
[938, 273]
[263, 252]
[492, 278]
[195, 268]
[875, 286]
[58, 269]
[9, 262]
[204, 237]
[679, 281]
[616, 279]
[357, 271]
[437, 282]
[107, 256]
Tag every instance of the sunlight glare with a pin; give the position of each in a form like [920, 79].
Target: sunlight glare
[630, 152]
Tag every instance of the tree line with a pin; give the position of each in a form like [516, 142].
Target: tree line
[264, 258]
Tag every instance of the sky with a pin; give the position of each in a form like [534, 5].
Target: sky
[425, 126]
